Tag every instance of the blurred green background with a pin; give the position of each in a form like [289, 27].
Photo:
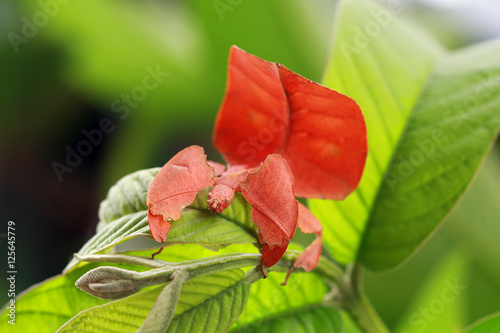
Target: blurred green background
[67, 66]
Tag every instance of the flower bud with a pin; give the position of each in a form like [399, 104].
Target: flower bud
[109, 282]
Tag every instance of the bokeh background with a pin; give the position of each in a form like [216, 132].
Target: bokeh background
[63, 73]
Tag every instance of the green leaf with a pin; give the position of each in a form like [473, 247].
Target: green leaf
[120, 230]
[314, 319]
[36, 305]
[490, 324]
[440, 304]
[357, 61]
[431, 118]
[295, 307]
[46, 306]
[196, 225]
[211, 303]
[206, 304]
[450, 132]
[125, 315]
[127, 196]
[349, 325]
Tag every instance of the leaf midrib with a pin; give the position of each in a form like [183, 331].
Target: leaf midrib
[211, 299]
[369, 220]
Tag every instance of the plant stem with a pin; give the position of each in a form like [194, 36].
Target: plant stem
[200, 267]
[115, 283]
[364, 315]
[357, 305]
[160, 316]
[124, 259]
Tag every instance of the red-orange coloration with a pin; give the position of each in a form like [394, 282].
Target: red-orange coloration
[175, 187]
[254, 98]
[221, 195]
[269, 109]
[282, 136]
[274, 208]
[219, 198]
[309, 224]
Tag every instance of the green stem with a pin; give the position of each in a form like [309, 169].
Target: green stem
[124, 259]
[114, 283]
[357, 305]
[160, 316]
[365, 316]
[200, 267]
[254, 275]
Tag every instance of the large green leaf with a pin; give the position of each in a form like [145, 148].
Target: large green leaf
[49, 304]
[349, 325]
[431, 118]
[211, 303]
[127, 196]
[196, 225]
[490, 324]
[316, 318]
[295, 307]
[206, 304]
[124, 315]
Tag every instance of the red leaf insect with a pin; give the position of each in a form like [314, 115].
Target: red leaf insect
[281, 136]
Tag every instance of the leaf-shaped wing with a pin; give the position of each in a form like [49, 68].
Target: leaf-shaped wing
[253, 117]
[274, 207]
[269, 109]
[175, 187]
[326, 144]
[309, 224]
